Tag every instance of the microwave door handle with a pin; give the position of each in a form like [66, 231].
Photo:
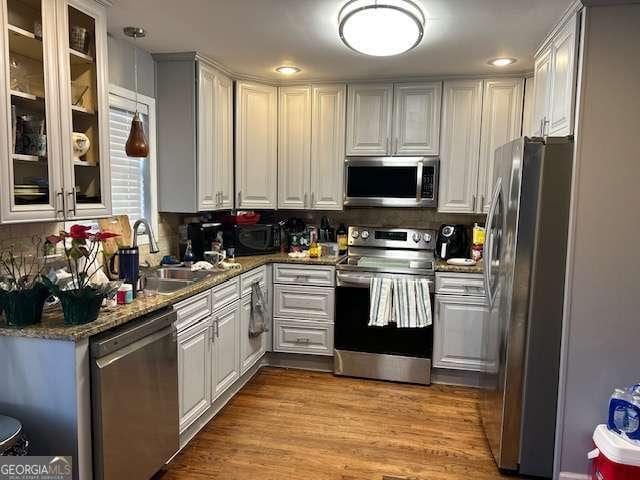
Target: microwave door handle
[419, 181]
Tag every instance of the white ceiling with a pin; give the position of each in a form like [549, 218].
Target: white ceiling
[252, 37]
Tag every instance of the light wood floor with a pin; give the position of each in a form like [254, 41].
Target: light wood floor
[298, 425]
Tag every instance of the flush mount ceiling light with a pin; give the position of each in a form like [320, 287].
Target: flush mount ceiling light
[501, 62]
[287, 70]
[381, 27]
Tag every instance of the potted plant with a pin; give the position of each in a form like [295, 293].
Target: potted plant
[22, 293]
[82, 297]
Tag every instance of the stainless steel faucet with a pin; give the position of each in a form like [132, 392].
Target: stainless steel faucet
[153, 245]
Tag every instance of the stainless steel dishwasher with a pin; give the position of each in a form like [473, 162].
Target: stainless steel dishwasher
[134, 396]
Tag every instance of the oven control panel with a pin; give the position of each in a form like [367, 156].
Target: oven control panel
[407, 238]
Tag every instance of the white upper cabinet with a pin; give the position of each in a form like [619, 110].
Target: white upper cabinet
[294, 147]
[369, 119]
[215, 140]
[43, 71]
[542, 92]
[461, 117]
[311, 147]
[84, 65]
[501, 123]
[208, 195]
[256, 145]
[224, 134]
[527, 108]
[195, 125]
[387, 119]
[555, 74]
[327, 146]
[563, 81]
[416, 119]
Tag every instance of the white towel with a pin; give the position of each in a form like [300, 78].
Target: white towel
[380, 302]
[402, 301]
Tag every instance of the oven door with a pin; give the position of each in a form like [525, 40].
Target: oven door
[391, 182]
[352, 332]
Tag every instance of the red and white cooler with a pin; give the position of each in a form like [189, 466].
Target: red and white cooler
[614, 458]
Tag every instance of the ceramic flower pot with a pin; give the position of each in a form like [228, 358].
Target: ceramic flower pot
[80, 306]
[24, 307]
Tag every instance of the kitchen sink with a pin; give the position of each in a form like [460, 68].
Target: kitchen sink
[168, 280]
[175, 273]
[165, 286]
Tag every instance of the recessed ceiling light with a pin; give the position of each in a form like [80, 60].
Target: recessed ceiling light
[287, 70]
[502, 61]
[381, 27]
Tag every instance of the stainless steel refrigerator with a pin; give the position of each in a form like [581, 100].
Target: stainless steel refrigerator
[525, 254]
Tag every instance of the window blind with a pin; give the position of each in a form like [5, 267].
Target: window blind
[129, 176]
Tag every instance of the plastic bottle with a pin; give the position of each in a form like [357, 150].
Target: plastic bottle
[188, 255]
[342, 238]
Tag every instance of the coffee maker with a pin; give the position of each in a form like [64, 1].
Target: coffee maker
[452, 242]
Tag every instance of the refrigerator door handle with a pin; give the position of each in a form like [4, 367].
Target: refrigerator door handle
[489, 243]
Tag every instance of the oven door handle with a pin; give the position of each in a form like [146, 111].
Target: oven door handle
[363, 280]
[356, 280]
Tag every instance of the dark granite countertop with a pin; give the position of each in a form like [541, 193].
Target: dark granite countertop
[52, 326]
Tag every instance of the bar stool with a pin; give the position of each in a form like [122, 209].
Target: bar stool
[13, 441]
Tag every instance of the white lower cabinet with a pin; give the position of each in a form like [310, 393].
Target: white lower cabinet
[302, 302]
[252, 349]
[303, 309]
[459, 323]
[225, 356]
[193, 373]
[297, 336]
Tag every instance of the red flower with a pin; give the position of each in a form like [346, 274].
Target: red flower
[98, 237]
[79, 232]
[54, 239]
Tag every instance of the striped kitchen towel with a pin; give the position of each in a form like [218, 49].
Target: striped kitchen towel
[380, 302]
[411, 303]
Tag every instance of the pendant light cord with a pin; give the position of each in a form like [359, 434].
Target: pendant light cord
[135, 69]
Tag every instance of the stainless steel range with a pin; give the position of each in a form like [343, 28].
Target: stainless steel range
[384, 353]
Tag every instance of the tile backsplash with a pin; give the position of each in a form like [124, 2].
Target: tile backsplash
[19, 236]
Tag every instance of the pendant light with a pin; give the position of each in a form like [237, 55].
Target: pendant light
[137, 144]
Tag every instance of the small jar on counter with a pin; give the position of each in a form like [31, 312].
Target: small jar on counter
[125, 294]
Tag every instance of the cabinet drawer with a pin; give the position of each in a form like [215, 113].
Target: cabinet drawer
[318, 275]
[192, 310]
[225, 293]
[305, 303]
[460, 284]
[247, 279]
[295, 336]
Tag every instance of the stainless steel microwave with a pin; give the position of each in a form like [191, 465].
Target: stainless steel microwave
[391, 182]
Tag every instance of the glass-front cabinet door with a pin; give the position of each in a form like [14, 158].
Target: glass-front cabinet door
[84, 108]
[30, 137]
